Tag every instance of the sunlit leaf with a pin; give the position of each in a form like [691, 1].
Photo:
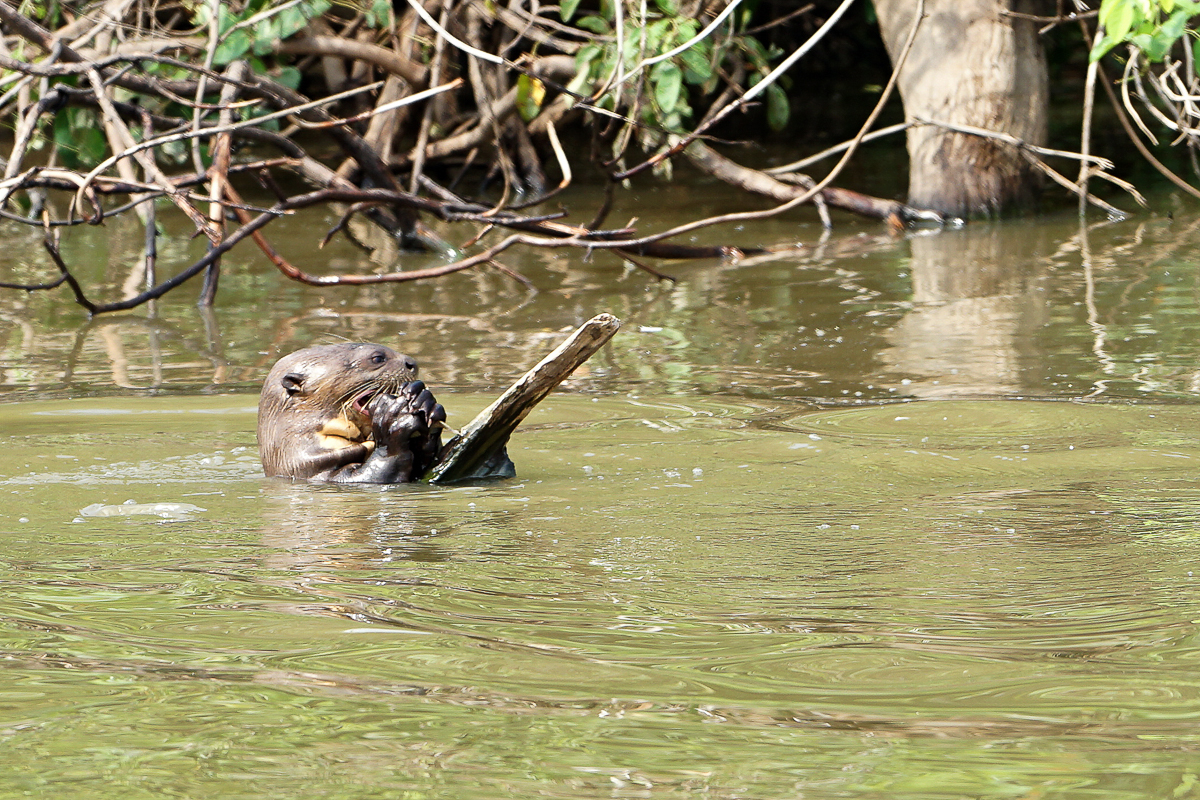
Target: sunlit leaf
[265, 34]
[566, 9]
[291, 20]
[593, 24]
[1121, 21]
[232, 47]
[1101, 47]
[656, 32]
[530, 94]
[668, 83]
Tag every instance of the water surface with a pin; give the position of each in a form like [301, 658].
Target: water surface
[881, 517]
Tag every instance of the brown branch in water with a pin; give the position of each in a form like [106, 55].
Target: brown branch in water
[50, 243]
[67, 181]
[161, 289]
[753, 180]
[36, 287]
[662, 276]
[341, 224]
[512, 273]
[301, 276]
[219, 176]
[1084, 195]
[570, 236]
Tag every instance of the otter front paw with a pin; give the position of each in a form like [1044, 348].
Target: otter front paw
[409, 422]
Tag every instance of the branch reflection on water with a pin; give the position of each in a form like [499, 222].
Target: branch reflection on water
[1029, 307]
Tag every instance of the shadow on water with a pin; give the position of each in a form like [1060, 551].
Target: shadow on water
[874, 518]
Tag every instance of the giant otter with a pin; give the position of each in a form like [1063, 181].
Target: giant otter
[348, 413]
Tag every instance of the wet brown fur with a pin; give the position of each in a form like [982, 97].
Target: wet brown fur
[308, 425]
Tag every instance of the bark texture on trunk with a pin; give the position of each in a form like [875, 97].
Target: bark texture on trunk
[969, 65]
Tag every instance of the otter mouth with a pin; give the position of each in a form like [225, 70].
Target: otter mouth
[361, 402]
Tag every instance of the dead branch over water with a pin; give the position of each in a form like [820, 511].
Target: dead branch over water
[140, 102]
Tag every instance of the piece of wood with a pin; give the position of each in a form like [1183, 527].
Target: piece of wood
[484, 438]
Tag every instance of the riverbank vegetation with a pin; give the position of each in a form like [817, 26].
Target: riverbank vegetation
[394, 113]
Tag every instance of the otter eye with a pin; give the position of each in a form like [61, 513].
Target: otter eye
[378, 357]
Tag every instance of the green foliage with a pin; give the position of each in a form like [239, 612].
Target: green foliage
[530, 94]
[778, 109]
[1152, 26]
[379, 13]
[237, 37]
[79, 138]
[566, 9]
[76, 133]
[665, 86]
[47, 13]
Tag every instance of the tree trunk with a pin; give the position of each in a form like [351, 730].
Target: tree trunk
[969, 65]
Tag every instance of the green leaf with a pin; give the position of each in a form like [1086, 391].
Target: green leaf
[226, 19]
[778, 109]
[668, 7]
[79, 138]
[668, 84]
[530, 94]
[566, 9]
[1170, 32]
[291, 20]
[656, 37]
[586, 61]
[593, 24]
[289, 77]
[755, 51]
[1102, 47]
[1121, 21]
[265, 34]
[1106, 10]
[315, 8]
[1142, 41]
[377, 15]
[586, 55]
[232, 47]
[697, 68]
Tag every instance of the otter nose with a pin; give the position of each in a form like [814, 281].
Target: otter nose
[410, 363]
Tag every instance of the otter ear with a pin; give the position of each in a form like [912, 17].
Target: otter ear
[292, 383]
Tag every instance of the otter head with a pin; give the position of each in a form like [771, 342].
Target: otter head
[317, 398]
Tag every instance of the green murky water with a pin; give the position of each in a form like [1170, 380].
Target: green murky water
[884, 518]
